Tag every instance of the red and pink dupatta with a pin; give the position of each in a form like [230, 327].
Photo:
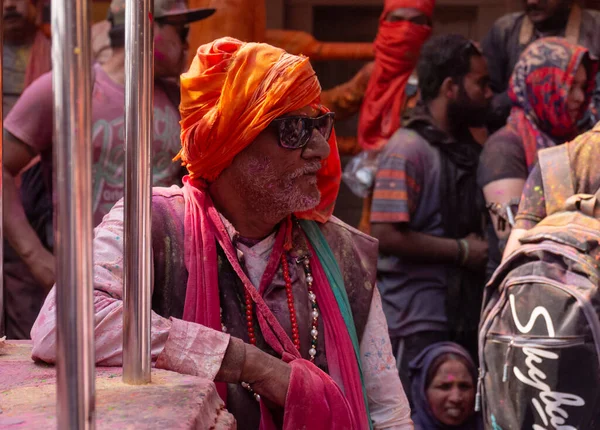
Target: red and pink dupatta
[314, 400]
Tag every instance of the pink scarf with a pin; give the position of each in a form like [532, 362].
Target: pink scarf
[314, 400]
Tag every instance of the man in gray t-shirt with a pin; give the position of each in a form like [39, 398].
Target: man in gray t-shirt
[425, 212]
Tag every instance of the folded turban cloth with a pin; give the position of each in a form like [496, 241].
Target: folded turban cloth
[397, 49]
[231, 93]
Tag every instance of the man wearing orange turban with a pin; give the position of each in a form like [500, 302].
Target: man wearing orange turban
[256, 285]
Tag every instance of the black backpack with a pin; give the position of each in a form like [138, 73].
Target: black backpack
[539, 339]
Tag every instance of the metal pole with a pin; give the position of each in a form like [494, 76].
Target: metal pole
[75, 373]
[139, 93]
[2, 314]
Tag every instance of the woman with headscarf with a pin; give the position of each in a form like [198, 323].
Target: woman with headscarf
[443, 389]
[551, 88]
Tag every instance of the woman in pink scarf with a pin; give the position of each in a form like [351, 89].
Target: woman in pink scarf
[256, 285]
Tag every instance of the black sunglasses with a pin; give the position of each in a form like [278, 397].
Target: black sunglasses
[295, 131]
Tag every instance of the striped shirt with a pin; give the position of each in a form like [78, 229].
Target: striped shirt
[407, 190]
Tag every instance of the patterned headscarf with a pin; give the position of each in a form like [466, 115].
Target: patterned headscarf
[231, 93]
[397, 49]
[539, 87]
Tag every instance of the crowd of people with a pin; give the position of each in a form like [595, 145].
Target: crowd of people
[301, 320]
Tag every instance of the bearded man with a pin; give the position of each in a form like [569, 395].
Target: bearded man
[256, 285]
[427, 209]
[512, 33]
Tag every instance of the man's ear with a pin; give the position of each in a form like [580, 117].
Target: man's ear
[449, 88]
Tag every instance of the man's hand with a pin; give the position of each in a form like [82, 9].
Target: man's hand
[17, 230]
[478, 252]
[267, 375]
[42, 265]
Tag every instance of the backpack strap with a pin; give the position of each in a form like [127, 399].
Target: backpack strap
[557, 178]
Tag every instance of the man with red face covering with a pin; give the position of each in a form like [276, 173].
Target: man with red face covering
[256, 285]
[403, 28]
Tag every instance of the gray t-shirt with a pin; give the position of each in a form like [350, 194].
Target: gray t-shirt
[407, 190]
[14, 65]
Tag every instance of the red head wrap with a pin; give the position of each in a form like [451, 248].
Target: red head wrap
[397, 49]
[425, 6]
[231, 93]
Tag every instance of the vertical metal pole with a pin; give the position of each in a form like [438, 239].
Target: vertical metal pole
[2, 313]
[73, 214]
[139, 94]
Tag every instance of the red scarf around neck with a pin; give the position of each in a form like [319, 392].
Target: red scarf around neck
[314, 400]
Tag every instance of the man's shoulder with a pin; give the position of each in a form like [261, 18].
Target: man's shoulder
[42, 84]
[355, 252]
[167, 192]
[168, 211]
[167, 198]
[590, 19]
[408, 143]
[508, 22]
[347, 240]
[505, 136]
[339, 227]
[594, 14]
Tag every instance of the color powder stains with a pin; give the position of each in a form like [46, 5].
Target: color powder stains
[159, 56]
[495, 425]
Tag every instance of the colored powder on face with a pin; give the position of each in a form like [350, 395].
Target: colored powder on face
[159, 56]
[450, 378]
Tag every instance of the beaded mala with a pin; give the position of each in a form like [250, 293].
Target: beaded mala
[314, 332]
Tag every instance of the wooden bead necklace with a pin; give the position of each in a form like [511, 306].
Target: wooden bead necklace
[314, 332]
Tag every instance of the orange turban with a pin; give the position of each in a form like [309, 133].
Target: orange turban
[231, 93]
